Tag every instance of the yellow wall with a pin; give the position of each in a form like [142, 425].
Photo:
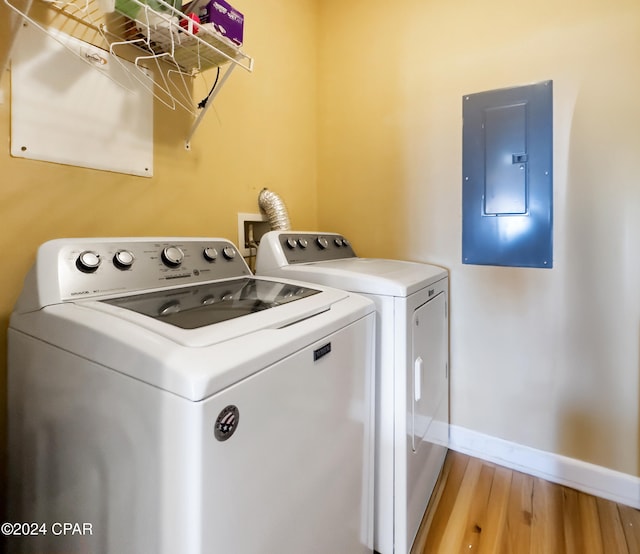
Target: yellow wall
[260, 132]
[543, 358]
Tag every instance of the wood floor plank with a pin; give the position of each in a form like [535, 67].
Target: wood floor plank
[631, 525]
[573, 539]
[613, 539]
[547, 530]
[517, 537]
[477, 516]
[454, 532]
[495, 520]
[590, 523]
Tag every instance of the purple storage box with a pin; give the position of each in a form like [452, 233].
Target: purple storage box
[226, 20]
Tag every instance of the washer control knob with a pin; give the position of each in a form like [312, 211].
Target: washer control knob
[88, 261]
[338, 242]
[123, 259]
[208, 300]
[210, 254]
[322, 242]
[168, 308]
[229, 252]
[292, 243]
[303, 243]
[172, 256]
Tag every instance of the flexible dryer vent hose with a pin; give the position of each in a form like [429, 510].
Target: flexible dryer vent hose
[275, 210]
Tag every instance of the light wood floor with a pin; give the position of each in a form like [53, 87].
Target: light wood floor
[479, 507]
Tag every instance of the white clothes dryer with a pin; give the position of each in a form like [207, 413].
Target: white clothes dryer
[167, 401]
[412, 366]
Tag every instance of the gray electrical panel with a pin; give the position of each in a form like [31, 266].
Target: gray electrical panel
[507, 172]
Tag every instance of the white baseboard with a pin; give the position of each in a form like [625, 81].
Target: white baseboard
[590, 478]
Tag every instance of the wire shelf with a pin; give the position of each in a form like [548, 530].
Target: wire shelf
[167, 48]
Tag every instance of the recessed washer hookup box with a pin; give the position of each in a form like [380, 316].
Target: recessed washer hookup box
[226, 20]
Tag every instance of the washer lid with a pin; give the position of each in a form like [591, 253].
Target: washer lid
[190, 317]
[208, 303]
[367, 275]
[193, 363]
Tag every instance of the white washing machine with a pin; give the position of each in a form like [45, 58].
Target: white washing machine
[164, 400]
[412, 371]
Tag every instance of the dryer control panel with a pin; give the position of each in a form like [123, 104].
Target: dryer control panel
[95, 268]
[301, 247]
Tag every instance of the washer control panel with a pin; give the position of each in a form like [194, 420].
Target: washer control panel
[89, 268]
[299, 248]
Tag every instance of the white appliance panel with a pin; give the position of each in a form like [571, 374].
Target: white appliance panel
[310, 420]
[144, 468]
[428, 399]
[339, 267]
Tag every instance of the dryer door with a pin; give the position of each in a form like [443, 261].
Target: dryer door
[429, 355]
[428, 406]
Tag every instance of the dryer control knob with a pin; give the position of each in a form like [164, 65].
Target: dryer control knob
[303, 243]
[338, 242]
[172, 256]
[322, 242]
[88, 261]
[292, 243]
[210, 254]
[229, 252]
[123, 259]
